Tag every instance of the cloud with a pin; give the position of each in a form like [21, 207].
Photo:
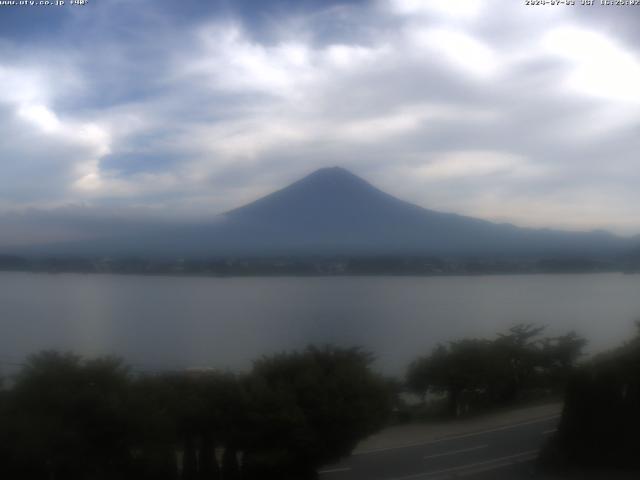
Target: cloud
[599, 66]
[460, 9]
[462, 51]
[21, 85]
[228, 60]
[477, 163]
[40, 116]
[460, 106]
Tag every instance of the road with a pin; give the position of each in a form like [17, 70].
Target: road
[497, 453]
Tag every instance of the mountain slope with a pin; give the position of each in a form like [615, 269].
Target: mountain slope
[333, 212]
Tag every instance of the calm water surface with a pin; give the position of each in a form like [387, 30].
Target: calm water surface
[173, 322]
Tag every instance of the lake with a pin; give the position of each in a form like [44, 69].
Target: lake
[175, 322]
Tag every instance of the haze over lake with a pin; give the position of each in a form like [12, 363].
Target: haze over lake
[176, 322]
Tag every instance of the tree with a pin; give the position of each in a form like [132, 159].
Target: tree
[493, 372]
[70, 418]
[192, 413]
[559, 357]
[73, 419]
[601, 415]
[6, 453]
[459, 369]
[517, 354]
[311, 408]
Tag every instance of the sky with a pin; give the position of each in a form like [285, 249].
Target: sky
[175, 110]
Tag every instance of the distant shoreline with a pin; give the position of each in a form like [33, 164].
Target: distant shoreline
[329, 266]
[317, 275]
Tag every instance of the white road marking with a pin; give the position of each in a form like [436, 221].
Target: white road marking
[489, 468]
[498, 463]
[455, 452]
[334, 470]
[457, 437]
[548, 432]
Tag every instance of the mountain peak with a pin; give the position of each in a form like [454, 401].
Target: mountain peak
[321, 193]
[333, 174]
[332, 171]
[332, 179]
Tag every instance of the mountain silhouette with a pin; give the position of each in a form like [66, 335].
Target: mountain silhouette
[334, 212]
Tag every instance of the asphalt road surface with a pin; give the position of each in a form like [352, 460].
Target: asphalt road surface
[507, 452]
